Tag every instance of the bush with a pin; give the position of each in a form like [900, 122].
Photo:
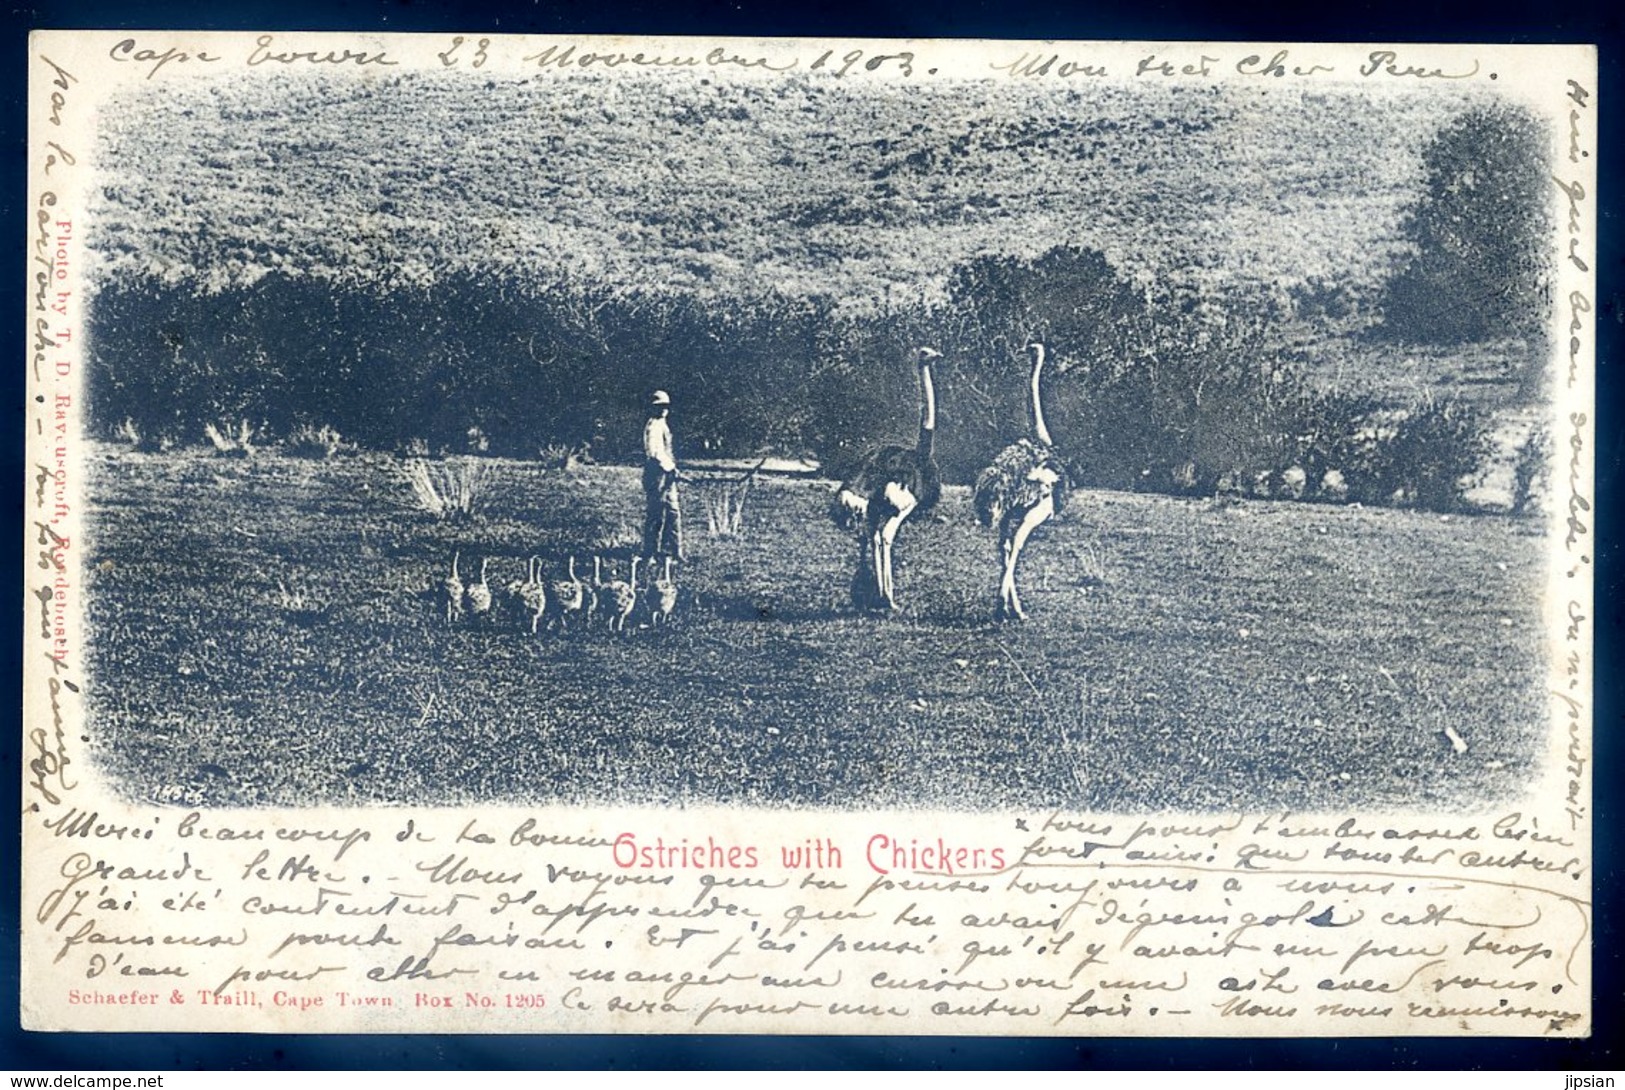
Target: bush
[1150, 386]
[724, 505]
[1323, 435]
[618, 537]
[1428, 456]
[1196, 399]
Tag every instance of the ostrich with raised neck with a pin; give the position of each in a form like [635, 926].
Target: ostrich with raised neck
[894, 483]
[1025, 487]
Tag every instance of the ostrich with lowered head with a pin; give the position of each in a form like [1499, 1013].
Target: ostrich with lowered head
[1024, 487]
[893, 483]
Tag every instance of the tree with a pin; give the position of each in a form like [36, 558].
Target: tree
[1480, 268]
[1071, 299]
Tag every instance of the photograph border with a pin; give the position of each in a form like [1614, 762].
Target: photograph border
[159, 1051]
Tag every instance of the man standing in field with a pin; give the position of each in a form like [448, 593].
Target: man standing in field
[662, 520]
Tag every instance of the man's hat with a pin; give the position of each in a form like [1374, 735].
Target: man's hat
[660, 397]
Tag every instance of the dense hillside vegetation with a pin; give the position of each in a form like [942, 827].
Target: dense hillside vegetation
[808, 188]
[510, 265]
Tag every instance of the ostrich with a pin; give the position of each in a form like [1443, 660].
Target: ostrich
[569, 596]
[892, 484]
[513, 591]
[516, 593]
[598, 592]
[662, 596]
[1020, 491]
[623, 598]
[533, 593]
[453, 586]
[479, 594]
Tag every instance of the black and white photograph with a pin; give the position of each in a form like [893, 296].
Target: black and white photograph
[819, 431]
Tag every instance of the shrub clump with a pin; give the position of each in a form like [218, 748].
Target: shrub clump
[1427, 456]
[231, 440]
[308, 441]
[1150, 385]
[454, 490]
[562, 457]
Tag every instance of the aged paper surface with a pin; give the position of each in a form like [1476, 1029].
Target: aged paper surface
[342, 358]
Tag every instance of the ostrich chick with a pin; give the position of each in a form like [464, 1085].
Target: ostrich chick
[479, 594]
[513, 591]
[662, 597]
[533, 593]
[622, 599]
[452, 586]
[569, 597]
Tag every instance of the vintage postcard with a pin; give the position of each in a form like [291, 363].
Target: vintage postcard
[568, 534]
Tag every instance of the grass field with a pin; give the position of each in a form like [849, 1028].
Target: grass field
[266, 632]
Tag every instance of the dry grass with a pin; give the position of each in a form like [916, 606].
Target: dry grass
[724, 501]
[231, 440]
[561, 457]
[724, 507]
[1249, 656]
[308, 441]
[454, 489]
[1091, 565]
